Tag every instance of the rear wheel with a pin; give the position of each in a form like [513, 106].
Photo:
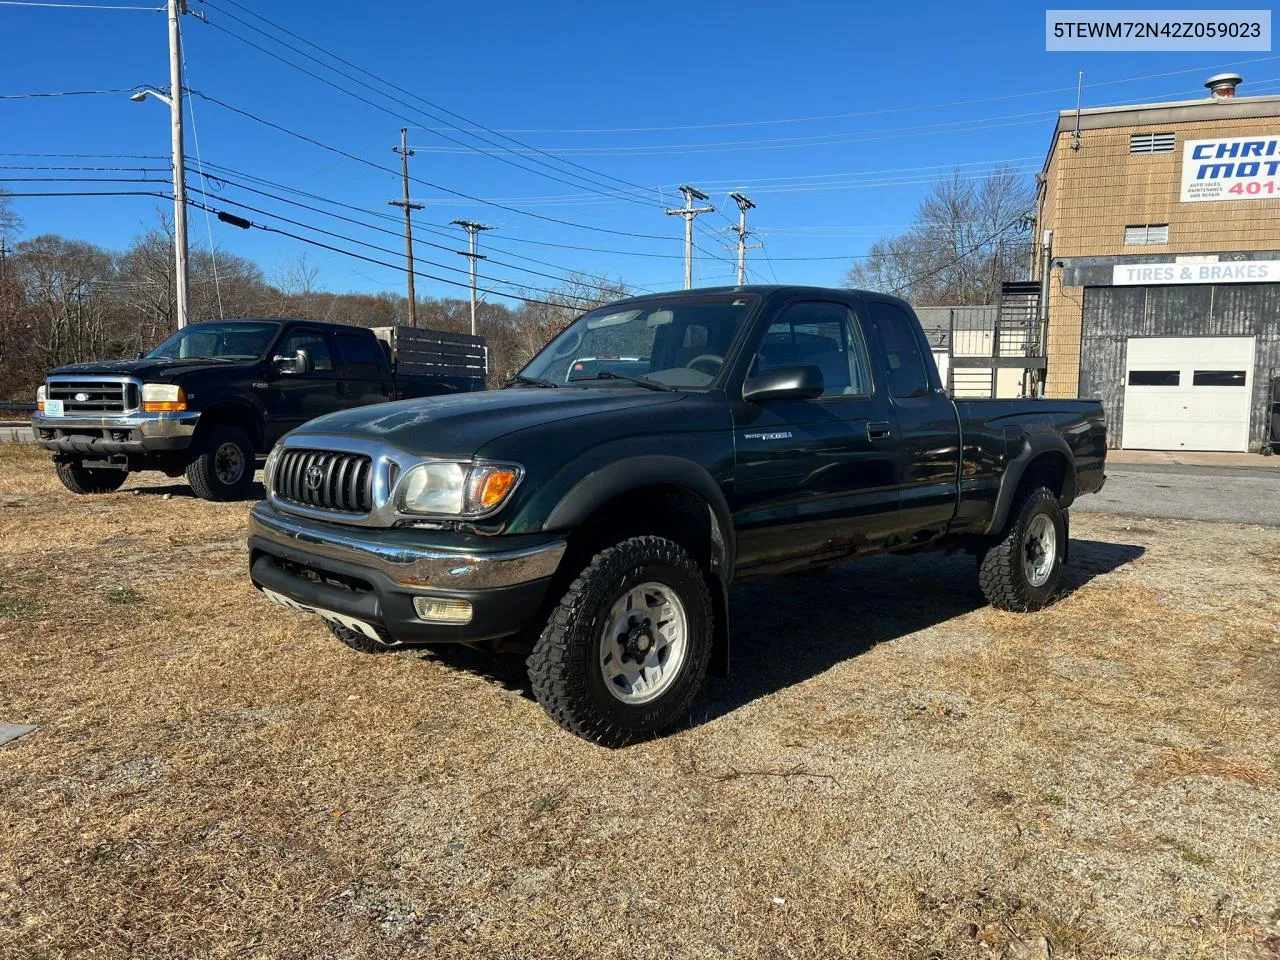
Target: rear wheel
[1023, 569]
[625, 651]
[86, 480]
[224, 468]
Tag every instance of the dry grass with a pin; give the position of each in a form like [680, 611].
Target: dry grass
[895, 771]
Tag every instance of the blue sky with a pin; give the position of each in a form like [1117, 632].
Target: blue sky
[714, 94]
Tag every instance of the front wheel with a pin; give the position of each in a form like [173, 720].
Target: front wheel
[85, 480]
[1022, 570]
[626, 650]
[223, 470]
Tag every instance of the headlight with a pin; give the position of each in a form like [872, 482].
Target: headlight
[40, 398]
[162, 397]
[268, 468]
[448, 488]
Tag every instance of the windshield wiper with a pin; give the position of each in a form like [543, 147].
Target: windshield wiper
[532, 381]
[642, 381]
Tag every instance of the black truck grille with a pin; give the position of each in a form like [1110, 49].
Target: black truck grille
[325, 480]
[101, 397]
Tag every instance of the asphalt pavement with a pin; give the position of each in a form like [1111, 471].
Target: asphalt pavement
[1189, 492]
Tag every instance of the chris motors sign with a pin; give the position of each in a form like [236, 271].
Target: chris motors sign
[1235, 271]
[1237, 168]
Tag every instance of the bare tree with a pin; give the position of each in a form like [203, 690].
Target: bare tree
[10, 222]
[967, 237]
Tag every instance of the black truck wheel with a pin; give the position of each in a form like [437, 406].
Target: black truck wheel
[626, 649]
[1022, 570]
[223, 469]
[84, 480]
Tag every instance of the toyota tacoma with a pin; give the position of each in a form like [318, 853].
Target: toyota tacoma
[596, 518]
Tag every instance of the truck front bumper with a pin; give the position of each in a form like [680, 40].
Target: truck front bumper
[364, 578]
[134, 433]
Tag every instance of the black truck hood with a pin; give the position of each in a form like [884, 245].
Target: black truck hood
[459, 425]
[148, 368]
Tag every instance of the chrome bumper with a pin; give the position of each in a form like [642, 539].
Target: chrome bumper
[147, 424]
[391, 553]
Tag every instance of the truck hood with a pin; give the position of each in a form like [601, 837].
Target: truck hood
[153, 369]
[459, 425]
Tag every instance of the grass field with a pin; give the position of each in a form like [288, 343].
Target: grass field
[894, 770]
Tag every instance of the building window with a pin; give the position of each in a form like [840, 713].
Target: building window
[1151, 143]
[1145, 234]
[1154, 378]
[1218, 378]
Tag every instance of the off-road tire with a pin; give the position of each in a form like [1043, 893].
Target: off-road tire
[564, 665]
[1001, 572]
[202, 472]
[88, 480]
[354, 639]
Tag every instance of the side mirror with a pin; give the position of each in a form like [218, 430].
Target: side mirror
[300, 364]
[802, 381]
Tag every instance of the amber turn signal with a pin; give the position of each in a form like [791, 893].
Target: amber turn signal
[495, 486]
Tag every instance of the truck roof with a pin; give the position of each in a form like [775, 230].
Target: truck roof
[764, 290]
[317, 323]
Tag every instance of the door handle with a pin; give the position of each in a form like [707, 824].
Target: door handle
[878, 430]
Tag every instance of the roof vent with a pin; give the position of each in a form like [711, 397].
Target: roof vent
[1223, 85]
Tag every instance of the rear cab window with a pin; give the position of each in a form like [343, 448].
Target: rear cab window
[905, 369]
[362, 356]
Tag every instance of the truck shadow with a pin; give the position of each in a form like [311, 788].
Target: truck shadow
[822, 619]
[179, 488]
[788, 629]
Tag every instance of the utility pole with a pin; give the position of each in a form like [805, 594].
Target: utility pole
[409, 207]
[181, 276]
[689, 211]
[741, 230]
[472, 229]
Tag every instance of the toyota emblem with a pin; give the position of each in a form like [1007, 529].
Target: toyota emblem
[81, 397]
[315, 477]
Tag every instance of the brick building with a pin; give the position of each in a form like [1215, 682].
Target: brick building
[1161, 225]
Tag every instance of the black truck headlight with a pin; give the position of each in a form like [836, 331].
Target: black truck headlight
[457, 489]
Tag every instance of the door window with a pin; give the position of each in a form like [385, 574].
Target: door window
[825, 335]
[314, 343]
[904, 363]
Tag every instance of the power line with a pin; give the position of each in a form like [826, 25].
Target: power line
[435, 186]
[871, 113]
[89, 156]
[959, 257]
[246, 224]
[222, 179]
[362, 243]
[74, 6]
[60, 93]
[329, 53]
[402, 118]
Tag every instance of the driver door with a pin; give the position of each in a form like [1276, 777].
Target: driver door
[815, 479]
[300, 397]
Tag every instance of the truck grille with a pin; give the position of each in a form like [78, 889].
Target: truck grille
[101, 397]
[325, 480]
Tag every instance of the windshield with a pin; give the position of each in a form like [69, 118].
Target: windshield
[234, 340]
[680, 343]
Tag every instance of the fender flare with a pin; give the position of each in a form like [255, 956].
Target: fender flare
[1033, 447]
[623, 476]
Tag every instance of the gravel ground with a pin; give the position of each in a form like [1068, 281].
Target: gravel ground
[894, 770]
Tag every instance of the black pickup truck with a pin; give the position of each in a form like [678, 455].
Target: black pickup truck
[597, 520]
[214, 397]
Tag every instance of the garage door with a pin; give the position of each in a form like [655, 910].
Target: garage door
[1188, 393]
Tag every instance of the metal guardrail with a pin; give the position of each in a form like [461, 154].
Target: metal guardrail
[8, 406]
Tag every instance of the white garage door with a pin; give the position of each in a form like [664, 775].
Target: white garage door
[1188, 393]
